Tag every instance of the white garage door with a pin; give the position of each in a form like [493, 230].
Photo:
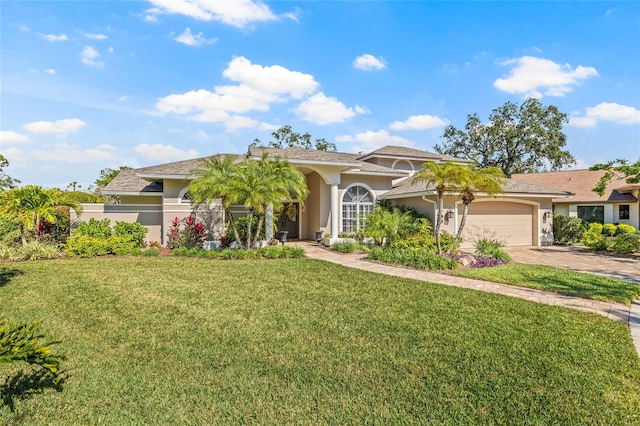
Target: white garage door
[511, 223]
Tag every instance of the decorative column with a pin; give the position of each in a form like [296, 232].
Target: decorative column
[268, 223]
[335, 211]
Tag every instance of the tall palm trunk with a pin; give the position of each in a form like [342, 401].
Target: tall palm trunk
[260, 222]
[463, 221]
[249, 223]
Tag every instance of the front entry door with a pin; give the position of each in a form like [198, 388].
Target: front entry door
[288, 220]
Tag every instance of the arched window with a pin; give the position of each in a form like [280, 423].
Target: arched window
[183, 197]
[357, 201]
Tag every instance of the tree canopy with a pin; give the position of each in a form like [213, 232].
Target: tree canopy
[6, 181]
[518, 139]
[285, 137]
[107, 175]
[618, 169]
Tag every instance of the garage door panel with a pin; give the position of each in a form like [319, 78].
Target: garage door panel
[509, 222]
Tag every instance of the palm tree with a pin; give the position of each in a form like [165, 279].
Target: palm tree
[33, 205]
[268, 182]
[488, 180]
[214, 181]
[446, 178]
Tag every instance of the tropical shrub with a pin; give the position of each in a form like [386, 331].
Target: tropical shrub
[491, 248]
[422, 237]
[567, 229]
[346, 247]
[134, 231]
[609, 229]
[186, 233]
[415, 258]
[448, 243]
[9, 229]
[86, 246]
[624, 228]
[595, 227]
[25, 342]
[34, 250]
[626, 243]
[593, 238]
[385, 226]
[94, 228]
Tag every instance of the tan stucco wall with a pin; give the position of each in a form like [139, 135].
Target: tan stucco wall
[125, 213]
[317, 207]
[141, 199]
[379, 184]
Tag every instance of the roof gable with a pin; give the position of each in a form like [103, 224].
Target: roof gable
[580, 183]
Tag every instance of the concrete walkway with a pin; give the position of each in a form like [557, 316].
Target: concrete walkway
[614, 311]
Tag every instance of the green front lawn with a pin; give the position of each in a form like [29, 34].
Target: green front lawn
[196, 341]
[558, 280]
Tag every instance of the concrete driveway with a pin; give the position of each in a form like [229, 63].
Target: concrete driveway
[578, 259]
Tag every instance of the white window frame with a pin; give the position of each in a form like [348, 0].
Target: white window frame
[359, 213]
[181, 194]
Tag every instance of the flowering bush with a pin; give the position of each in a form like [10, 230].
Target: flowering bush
[186, 233]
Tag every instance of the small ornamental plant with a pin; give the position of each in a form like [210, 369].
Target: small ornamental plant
[186, 233]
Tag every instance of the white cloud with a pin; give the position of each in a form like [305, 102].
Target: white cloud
[259, 88]
[606, 111]
[419, 122]
[538, 77]
[123, 98]
[89, 57]
[50, 71]
[370, 141]
[67, 153]
[194, 40]
[8, 137]
[237, 13]
[53, 37]
[60, 127]
[17, 157]
[369, 62]
[91, 36]
[160, 152]
[110, 49]
[271, 79]
[321, 109]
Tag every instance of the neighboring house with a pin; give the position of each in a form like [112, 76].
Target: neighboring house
[342, 189]
[619, 203]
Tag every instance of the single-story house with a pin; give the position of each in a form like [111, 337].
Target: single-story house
[620, 202]
[342, 187]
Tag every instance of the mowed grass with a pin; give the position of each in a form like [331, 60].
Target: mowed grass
[558, 280]
[193, 341]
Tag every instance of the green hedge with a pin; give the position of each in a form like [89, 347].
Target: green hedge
[415, 258]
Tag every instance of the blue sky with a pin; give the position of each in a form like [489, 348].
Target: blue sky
[96, 84]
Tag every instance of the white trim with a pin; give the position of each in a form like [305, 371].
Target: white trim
[534, 215]
[181, 195]
[341, 198]
[144, 194]
[393, 166]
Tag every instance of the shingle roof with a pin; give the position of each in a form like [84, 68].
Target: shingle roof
[402, 151]
[407, 188]
[580, 183]
[178, 168]
[128, 181]
[296, 153]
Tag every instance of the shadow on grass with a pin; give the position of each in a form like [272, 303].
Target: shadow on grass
[23, 385]
[6, 274]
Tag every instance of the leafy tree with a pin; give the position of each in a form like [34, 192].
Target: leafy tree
[488, 180]
[618, 170]
[6, 182]
[285, 137]
[33, 205]
[445, 177]
[517, 139]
